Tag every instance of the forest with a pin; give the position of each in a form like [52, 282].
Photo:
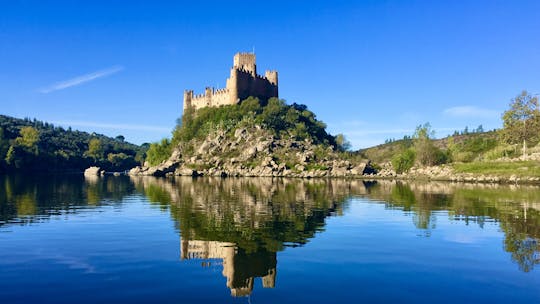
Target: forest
[33, 145]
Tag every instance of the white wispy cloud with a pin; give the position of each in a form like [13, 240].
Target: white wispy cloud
[81, 79]
[100, 125]
[470, 111]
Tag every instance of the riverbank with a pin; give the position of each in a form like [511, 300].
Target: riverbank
[514, 173]
[502, 171]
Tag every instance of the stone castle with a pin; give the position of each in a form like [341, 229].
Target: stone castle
[242, 83]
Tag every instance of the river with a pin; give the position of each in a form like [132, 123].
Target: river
[70, 239]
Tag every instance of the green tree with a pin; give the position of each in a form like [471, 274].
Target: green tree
[10, 156]
[158, 152]
[342, 143]
[423, 144]
[95, 149]
[427, 153]
[4, 145]
[403, 161]
[28, 139]
[121, 161]
[521, 122]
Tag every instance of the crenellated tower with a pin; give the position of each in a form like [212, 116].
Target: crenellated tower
[242, 83]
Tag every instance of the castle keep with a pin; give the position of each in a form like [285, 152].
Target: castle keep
[242, 83]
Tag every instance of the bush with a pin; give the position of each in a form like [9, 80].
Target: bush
[426, 152]
[403, 161]
[501, 151]
[159, 152]
[290, 120]
[463, 157]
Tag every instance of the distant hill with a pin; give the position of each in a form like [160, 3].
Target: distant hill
[470, 146]
[33, 145]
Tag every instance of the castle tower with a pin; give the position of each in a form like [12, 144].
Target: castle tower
[242, 83]
[271, 75]
[272, 78]
[188, 96]
[245, 61]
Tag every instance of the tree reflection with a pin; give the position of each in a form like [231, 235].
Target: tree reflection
[245, 222]
[516, 208]
[29, 199]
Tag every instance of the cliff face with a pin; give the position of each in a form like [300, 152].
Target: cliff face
[255, 151]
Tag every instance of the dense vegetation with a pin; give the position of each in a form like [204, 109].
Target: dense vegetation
[521, 130]
[39, 146]
[282, 119]
[287, 121]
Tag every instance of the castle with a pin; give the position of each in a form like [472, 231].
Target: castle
[242, 83]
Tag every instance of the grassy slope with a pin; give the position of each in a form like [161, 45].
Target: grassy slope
[384, 152]
[518, 168]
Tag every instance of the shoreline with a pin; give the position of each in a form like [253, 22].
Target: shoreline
[469, 178]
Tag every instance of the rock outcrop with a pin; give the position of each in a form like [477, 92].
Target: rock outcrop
[256, 152]
[94, 171]
[447, 173]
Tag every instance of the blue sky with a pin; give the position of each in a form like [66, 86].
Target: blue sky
[370, 69]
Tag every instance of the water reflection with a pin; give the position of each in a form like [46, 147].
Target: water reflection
[240, 224]
[244, 222]
[26, 199]
[515, 208]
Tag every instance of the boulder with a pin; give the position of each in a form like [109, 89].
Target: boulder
[358, 169]
[94, 171]
[135, 171]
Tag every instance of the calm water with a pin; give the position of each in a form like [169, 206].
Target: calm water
[65, 239]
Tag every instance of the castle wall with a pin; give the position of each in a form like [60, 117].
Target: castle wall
[257, 86]
[242, 83]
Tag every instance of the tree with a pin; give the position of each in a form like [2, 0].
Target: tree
[427, 153]
[28, 139]
[159, 152]
[95, 149]
[120, 138]
[4, 145]
[121, 161]
[403, 161]
[342, 142]
[521, 122]
[423, 145]
[480, 129]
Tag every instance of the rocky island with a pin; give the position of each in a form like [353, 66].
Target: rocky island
[244, 129]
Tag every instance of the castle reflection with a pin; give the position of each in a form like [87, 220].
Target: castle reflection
[243, 223]
[239, 267]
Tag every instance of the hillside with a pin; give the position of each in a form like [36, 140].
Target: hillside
[252, 139]
[39, 146]
[469, 146]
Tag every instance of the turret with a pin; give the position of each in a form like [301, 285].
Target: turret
[271, 75]
[232, 86]
[245, 61]
[188, 97]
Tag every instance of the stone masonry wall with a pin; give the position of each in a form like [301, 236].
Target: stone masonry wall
[242, 83]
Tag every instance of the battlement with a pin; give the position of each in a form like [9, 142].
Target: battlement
[242, 83]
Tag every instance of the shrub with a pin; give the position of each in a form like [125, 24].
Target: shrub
[426, 152]
[295, 120]
[463, 157]
[159, 152]
[501, 151]
[403, 161]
